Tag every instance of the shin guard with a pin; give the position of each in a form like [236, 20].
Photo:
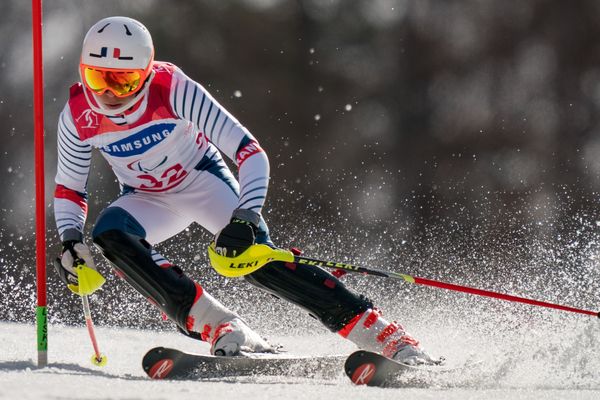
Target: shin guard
[323, 295]
[169, 288]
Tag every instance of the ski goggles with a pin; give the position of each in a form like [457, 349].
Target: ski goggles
[121, 83]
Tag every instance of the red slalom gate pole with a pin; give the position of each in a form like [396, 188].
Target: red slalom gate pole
[40, 201]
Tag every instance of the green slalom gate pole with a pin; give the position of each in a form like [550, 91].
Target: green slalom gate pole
[40, 202]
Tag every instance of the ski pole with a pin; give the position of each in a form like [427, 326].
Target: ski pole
[443, 285]
[89, 281]
[97, 358]
[259, 255]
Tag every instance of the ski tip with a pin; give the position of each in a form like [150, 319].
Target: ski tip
[160, 369]
[363, 374]
[157, 364]
[360, 368]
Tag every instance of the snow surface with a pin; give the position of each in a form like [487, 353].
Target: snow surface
[71, 375]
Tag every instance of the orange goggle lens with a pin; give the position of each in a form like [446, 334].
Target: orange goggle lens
[121, 82]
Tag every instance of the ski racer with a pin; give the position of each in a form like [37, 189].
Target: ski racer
[163, 135]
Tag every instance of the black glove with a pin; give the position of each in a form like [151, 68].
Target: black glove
[239, 234]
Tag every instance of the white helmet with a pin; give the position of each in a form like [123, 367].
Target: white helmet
[119, 43]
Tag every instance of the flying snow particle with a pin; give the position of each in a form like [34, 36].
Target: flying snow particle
[348, 107]
[317, 117]
[237, 93]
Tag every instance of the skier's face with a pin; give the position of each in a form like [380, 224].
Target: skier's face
[111, 101]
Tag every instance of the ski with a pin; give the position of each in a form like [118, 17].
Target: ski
[166, 363]
[373, 369]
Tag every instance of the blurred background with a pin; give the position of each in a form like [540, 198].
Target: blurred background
[453, 140]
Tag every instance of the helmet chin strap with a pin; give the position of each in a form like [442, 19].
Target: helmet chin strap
[99, 107]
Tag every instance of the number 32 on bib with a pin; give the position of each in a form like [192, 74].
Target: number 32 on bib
[170, 178]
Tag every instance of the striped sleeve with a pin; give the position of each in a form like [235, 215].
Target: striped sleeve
[70, 196]
[253, 175]
[192, 102]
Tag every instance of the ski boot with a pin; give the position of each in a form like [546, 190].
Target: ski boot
[227, 333]
[369, 331]
[235, 338]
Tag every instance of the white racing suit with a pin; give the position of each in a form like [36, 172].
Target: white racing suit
[166, 155]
